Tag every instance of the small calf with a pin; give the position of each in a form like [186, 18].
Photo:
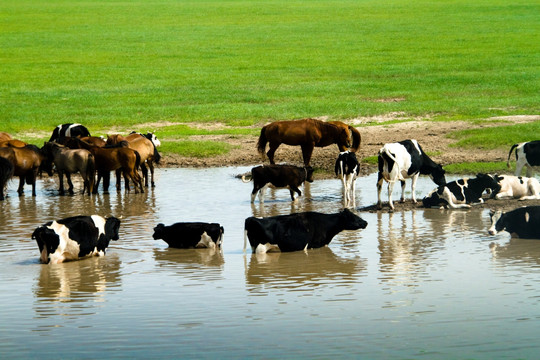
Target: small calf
[522, 222]
[185, 235]
[280, 176]
[298, 231]
[517, 187]
[346, 169]
[75, 237]
[461, 193]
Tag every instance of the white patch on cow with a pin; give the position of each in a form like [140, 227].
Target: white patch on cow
[99, 222]
[494, 216]
[205, 242]
[264, 248]
[67, 249]
[527, 217]
[68, 130]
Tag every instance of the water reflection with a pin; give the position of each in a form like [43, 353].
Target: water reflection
[524, 251]
[194, 264]
[80, 281]
[301, 270]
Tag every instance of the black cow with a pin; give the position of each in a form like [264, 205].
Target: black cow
[298, 231]
[527, 154]
[68, 130]
[522, 222]
[403, 160]
[75, 237]
[346, 169]
[462, 192]
[186, 235]
[6, 172]
[280, 176]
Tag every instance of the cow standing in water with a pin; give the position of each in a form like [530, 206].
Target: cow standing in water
[346, 169]
[403, 160]
[527, 154]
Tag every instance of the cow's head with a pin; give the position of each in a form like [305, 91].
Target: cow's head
[158, 231]
[489, 182]
[496, 225]
[437, 175]
[112, 225]
[47, 240]
[351, 221]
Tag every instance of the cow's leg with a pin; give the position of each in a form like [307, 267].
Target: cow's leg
[379, 190]
[520, 163]
[529, 170]
[307, 151]
[261, 193]
[413, 187]
[447, 195]
[390, 190]
[402, 197]
[272, 147]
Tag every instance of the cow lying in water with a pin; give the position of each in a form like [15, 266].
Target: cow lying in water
[461, 193]
[75, 237]
[280, 176]
[298, 231]
[522, 222]
[517, 187]
[190, 235]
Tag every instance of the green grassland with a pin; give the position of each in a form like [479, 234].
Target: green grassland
[243, 63]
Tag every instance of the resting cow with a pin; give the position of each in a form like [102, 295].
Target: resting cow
[527, 154]
[75, 237]
[280, 176]
[462, 192]
[403, 160]
[185, 235]
[517, 187]
[522, 222]
[298, 231]
[346, 169]
[68, 130]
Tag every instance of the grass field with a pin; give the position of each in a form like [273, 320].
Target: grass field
[105, 63]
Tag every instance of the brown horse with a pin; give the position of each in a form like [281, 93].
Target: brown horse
[308, 133]
[12, 143]
[356, 138]
[144, 147]
[5, 136]
[69, 161]
[6, 172]
[109, 159]
[27, 162]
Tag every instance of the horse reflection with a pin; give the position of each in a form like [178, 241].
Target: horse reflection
[310, 269]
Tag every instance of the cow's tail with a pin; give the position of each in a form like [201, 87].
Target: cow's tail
[510, 153]
[247, 180]
[261, 143]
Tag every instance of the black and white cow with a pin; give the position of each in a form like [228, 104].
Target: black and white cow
[298, 231]
[461, 193]
[68, 130]
[347, 168]
[280, 176]
[517, 187]
[522, 222]
[185, 235]
[403, 160]
[75, 237]
[527, 154]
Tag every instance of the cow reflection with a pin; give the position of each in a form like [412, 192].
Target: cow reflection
[525, 251]
[81, 281]
[191, 263]
[310, 269]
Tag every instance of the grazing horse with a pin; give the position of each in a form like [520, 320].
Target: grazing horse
[308, 133]
[6, 172]
[5, 136]
[144, 147]
[356, 138]
[70, 161]
[12, 143]
[27, 162]
[109, 159]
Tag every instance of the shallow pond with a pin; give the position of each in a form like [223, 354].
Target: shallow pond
[420, 283]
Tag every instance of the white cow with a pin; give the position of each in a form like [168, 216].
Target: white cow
[517, 187]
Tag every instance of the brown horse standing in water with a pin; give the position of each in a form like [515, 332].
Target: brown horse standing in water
[27, 162]
[308, 133]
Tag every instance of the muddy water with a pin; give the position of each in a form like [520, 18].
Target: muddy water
[412, 284]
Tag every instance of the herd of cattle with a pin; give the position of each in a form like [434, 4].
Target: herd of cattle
[72, 149]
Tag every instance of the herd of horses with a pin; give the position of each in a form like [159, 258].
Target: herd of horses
[87, 155]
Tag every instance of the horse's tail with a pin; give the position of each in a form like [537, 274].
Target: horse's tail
[356, 138]
[90, 173]
[261, 144]
[510, 153]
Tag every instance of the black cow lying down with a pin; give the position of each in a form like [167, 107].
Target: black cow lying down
[280, 176]
[75, 237]
[298, 231]
[185, 235]
[522, 222]
[461, 193]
